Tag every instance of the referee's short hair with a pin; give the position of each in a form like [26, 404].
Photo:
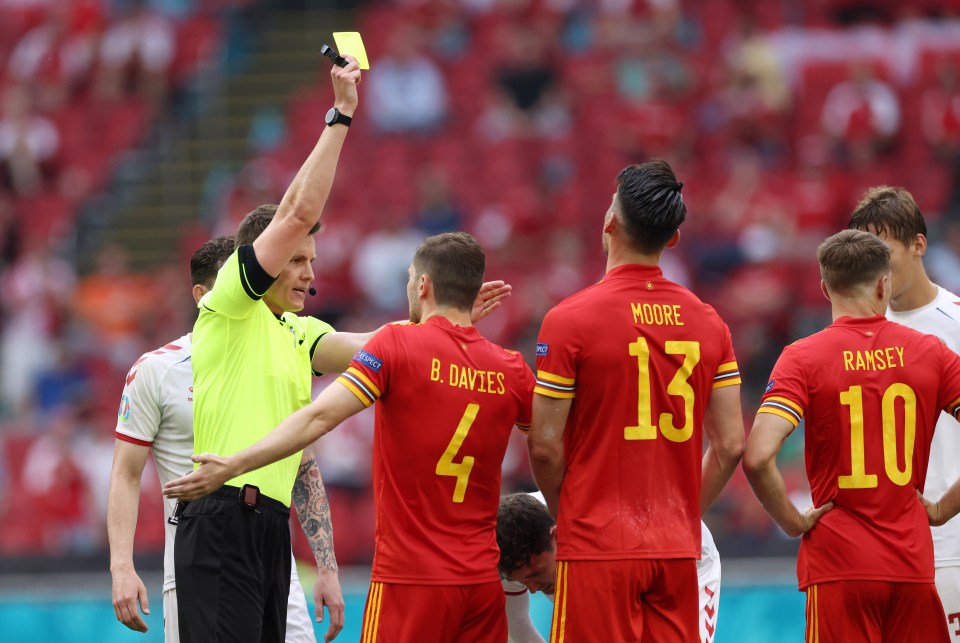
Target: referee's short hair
[851, 259]
[257, 221]
[650, 204]
[208, 259]
[455, 263]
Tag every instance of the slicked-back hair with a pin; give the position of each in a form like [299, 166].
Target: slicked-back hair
[455, 263]
[650, 204]
[851, 259]
[891, 211]
[257, 221]
[208, 259]
[523, 531]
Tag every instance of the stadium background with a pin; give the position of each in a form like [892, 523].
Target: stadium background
[131, 131]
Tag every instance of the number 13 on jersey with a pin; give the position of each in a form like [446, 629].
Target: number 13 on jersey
[678, 387]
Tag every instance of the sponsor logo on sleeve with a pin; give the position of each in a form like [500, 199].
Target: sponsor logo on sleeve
[542, 348]
[124, 413]
[769, 386]
[370, 361]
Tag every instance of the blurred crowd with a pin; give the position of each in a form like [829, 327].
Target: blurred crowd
[505, 118]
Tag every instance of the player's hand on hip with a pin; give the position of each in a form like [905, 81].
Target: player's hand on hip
[326, 591]
[934, 515]
[214, 471]
[129, 597]
[345, 81]
[811, 516]
[489, 298]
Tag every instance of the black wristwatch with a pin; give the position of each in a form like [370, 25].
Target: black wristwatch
[334, 117]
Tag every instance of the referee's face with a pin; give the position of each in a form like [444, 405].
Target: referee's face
[289, 291]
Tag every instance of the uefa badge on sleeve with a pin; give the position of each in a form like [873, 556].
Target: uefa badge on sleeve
[542, 348]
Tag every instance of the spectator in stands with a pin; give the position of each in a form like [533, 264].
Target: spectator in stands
[437, 212]
[381, 262]
[29, 144]
[408, 93]
[940, 112]
[137, 50]
[861, 115]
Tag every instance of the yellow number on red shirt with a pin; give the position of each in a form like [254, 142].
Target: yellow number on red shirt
[679, 386]
[858, 477]
[459, 470]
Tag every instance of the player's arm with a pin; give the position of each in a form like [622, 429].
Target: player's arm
[520, 627]
[760, 464]
[723, 426]
[313, 512]
[123, 502]
[303, 202]
[334, 405]
[948, 505]
[545, 444]
[335, 350]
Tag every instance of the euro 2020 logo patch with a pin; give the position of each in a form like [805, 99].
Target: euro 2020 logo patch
[124, 413]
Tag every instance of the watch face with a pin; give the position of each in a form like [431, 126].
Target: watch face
[331, 115]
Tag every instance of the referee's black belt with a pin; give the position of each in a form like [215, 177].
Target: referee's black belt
[249, 497]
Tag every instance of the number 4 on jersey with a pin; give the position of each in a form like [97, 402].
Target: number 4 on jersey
[459, 470]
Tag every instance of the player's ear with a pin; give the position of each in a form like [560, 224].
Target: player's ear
[884, 287]
[553, 536]
[823, 289]
[199, 291]
[920, 245]
[674, 240]
[424, 286]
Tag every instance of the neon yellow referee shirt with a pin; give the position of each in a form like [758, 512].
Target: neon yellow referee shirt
[250, 371]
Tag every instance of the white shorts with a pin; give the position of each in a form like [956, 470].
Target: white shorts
[299, 623]
[948, 586]
[708, 580]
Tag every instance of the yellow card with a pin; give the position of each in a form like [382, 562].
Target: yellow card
[350, 43]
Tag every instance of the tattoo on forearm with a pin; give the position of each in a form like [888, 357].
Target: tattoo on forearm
[313, 511]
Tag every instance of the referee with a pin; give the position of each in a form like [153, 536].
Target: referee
[252, 368]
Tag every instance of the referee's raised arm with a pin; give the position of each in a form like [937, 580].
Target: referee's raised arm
[303, 201]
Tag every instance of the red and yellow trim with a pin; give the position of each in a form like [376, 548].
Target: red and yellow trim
[727, 375]
[782, 407]
[813, 615]
[559, 625]
[360, 385]
[556, 386]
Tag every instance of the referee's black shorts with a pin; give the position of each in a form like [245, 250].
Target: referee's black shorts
[232, 568]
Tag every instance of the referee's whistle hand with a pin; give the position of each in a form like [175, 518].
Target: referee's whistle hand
[212, 474]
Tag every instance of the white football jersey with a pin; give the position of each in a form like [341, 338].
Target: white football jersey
[941, 317]
[156, 411]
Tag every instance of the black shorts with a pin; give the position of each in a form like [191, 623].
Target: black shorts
[232, 567]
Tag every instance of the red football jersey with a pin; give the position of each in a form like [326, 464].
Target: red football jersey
[448, 401]
[640, 355]
[870, 391]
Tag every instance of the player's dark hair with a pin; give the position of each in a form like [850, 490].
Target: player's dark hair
[890, 211]
[650, 204]
[257, 221]
[852, 258]
[455, 263]
[208, 259]
[523, 531]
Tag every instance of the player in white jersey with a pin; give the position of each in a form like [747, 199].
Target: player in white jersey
[526, 535]
[918, 303]
[156, 414]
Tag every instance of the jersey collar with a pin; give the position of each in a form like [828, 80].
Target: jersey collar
[634, 271]
[859, 322]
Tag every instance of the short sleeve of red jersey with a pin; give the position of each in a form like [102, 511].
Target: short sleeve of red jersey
[527, 385]
[728, 373]
[558, 349]
[949, 399]
[786, 394]
[367, 375]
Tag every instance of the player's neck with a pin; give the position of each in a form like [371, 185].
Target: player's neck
[858, 308]
[919, 295]
[622, 257]
[452, 315]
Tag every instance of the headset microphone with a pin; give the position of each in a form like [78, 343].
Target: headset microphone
[312, 291]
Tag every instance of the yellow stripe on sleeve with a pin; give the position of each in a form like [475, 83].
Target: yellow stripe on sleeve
[775, 411]
[557, 379]
[549, 392]
[363, 397]
[730, 382]
[726, 368]
[366, 380]
[793, 405]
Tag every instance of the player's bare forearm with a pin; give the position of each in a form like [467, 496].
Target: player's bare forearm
[335, 350]
[545, 444]
[313, 512]
[723, 427]
[944, 509]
